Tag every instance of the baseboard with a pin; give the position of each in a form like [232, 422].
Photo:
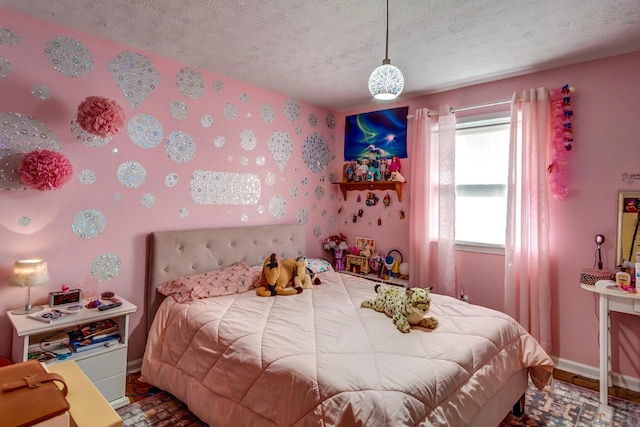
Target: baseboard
[134, 366]
[624, 381]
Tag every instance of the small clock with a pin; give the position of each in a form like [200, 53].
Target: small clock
[57, 299]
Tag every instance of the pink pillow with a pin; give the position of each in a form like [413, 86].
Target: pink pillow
[234, 279]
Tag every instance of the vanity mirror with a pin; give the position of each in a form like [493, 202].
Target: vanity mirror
[628, 232]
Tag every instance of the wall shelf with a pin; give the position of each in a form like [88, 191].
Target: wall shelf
[370, 186]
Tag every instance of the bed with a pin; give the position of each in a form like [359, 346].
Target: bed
[317, 358]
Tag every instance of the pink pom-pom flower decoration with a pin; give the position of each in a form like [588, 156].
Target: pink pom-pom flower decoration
[45, 170]
[100, 116]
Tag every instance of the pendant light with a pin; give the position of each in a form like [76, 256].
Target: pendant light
[386, 82]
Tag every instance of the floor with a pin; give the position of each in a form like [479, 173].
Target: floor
[589, 383]
[137, 390]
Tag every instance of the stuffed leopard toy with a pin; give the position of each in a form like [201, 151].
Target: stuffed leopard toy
[405, 306]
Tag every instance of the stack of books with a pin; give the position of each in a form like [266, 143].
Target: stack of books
[94, 334]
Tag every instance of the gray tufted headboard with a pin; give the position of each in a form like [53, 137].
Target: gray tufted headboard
[179, 253]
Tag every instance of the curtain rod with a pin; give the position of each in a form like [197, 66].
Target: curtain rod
[489, 104]
[471, 107]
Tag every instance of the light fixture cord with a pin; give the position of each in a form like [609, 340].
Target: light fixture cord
[386, 50]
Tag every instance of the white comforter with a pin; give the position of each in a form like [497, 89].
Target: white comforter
[317, 358]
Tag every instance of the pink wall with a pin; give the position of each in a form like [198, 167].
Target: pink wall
[605, 104]
[308, 194]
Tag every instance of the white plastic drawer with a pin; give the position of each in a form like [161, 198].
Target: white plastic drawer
[105, 365]
[112, 388]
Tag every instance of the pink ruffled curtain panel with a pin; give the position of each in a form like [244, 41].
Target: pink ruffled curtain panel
[527, 295]
[432, 219]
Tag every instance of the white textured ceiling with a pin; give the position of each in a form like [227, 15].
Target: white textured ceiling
[322, 51]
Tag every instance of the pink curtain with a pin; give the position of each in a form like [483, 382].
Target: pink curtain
[527, 282]
[432, 211]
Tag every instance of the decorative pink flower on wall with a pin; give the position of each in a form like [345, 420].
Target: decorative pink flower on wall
[45, 170]
[100, 116]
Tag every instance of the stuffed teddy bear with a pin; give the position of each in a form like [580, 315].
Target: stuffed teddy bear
[277, 277]
[304, 278]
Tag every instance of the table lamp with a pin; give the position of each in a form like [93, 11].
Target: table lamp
[27, 273]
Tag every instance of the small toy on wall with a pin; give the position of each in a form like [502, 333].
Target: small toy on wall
[372, 199]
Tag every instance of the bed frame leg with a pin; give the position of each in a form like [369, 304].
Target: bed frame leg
[518, 407]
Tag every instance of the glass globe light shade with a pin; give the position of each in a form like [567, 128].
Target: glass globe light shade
[386, 82]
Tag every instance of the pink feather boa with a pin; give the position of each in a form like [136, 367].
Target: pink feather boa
[45, 170]
[562, 141]
[100, 116]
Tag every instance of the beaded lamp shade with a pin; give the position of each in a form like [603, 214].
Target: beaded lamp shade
[386, 82]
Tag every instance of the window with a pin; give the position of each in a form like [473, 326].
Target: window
[481, 172]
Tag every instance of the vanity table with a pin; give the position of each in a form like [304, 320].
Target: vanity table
[611, 298]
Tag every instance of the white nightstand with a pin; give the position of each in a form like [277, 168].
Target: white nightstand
[105, 366]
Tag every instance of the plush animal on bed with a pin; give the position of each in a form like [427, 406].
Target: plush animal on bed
[405, 306]
[277, 277]
[303, 276]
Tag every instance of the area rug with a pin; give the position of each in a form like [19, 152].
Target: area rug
[562, 405]
[158, 410]
[565, 404]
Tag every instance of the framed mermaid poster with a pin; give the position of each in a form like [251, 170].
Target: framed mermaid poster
[376, 135]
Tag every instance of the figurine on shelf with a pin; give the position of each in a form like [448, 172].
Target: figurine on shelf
[364, 169]
[374, 170]
[369, 176]
[394, 166]
[350, 171]
[384, 170]
[396, 176]
[360, 171]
